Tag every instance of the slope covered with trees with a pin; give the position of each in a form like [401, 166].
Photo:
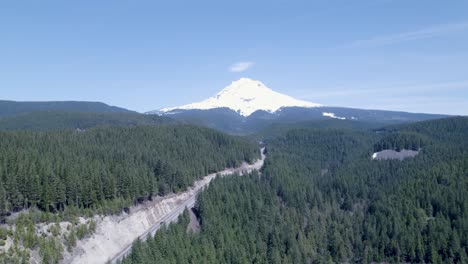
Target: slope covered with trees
[229, 121]
[60, 120]
[8, 108]
[108, 168]
[321, 198]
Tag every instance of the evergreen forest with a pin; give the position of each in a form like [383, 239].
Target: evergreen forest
[320, 198]
[109, 168]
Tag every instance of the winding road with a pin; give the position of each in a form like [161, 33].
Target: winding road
[173, 215]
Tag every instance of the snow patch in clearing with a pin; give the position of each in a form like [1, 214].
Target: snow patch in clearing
[393, 154]
[332, 115]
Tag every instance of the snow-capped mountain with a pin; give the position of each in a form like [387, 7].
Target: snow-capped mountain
[248, 106]
[245, 96]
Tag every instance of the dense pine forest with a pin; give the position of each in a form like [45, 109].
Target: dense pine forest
[60, 120]
[108, 168]
[320, 198]
[11, 108]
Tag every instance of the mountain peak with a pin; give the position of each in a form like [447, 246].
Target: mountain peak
[245, 88]
[246, 96]
[244, 81]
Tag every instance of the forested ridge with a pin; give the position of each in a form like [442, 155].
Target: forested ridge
[321, 198]
[61, 120]
[109, 167]
[9, 108]
[402, 140]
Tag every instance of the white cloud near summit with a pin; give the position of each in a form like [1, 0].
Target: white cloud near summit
[241, 66]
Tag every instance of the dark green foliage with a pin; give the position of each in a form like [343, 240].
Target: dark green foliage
[57, 120]
[30, 238]
[401, 140]
[50, 250]
[108, 168]
[445, 129]
[242, 222]
[321, 199]
[81, 231]
[15, 255]
[8, 108]
[70, 240]
[228, 120]
[4, 207]
[281, 129]
[3, 233]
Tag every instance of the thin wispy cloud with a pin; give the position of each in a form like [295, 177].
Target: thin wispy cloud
[426, 33]
[241, 66]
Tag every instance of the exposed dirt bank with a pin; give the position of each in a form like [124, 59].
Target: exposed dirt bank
[115, 234]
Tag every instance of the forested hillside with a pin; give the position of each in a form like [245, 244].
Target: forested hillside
[60, 120]
[108, 168]
[8, 108]
[321, 198]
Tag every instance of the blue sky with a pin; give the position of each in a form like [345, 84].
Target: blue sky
[145, 55]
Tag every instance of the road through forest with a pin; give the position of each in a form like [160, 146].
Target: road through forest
[115, 235]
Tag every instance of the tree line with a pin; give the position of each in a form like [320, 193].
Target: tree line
[402, 140]
[320, 198]
[62, 120]
[109, 167]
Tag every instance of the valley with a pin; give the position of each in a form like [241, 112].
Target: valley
[321, 199]
[234, 132]
[248, 106]
[68, 181]
[114, 235]
[329, 184]
[117, 189]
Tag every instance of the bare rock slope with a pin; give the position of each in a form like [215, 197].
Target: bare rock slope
[115, 234]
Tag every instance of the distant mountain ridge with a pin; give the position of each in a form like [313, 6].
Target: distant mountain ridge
[245, 96]
[8, 108]
[247, 106]
[59, 120]
[229, 121]
[59, 115]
